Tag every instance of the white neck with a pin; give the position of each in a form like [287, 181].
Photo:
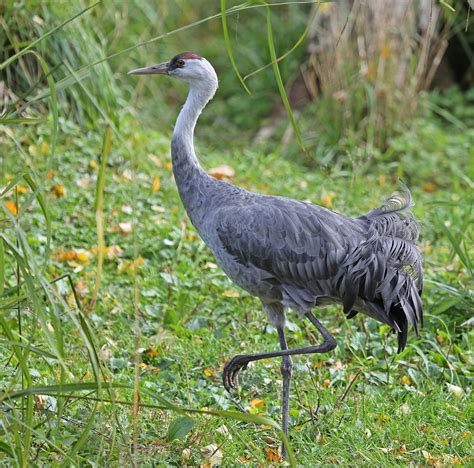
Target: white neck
[200, 93]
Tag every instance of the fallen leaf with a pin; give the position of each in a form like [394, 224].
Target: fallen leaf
[84, 183]
[273, 455]
[455, 390]
[213, 454]
[429, 187]
[231, 293]
[11, 207]
[404, 409]
[257, 403]
[208, 372]
[222, 171]
[327, 198]
[186, 454]
[405, 380]
[429, 458]
[326, 383]
[126, 228]
[156, 184]
[79, 255]
[59, 190]
[113, 251]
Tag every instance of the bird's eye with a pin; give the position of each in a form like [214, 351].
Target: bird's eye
[180, 62]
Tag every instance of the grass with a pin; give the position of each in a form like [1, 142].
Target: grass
[399, 409]
[116, 323]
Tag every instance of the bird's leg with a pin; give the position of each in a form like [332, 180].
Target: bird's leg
[241, 361]
[286, 371]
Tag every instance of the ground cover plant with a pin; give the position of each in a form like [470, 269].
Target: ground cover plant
[114, 317]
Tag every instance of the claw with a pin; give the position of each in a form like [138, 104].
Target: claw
[231, 370]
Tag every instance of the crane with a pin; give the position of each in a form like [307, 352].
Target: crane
[292, 254]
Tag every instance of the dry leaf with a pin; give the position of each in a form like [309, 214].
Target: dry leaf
[79, 255]
[273, 455]
[59, 190]
[208, 372]
[186, 454]
[455, 390]
[257, 403]
[84, 183]
[429, 187]
[125, 228]
[156, 184]
[404, 409]
[113, 251]
[11, 207]
[222, 171]
[213, 454]
[327, 198]
[405, 380]
[231, 293]
[326, 383]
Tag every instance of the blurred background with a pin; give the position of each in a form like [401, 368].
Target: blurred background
[102, 278]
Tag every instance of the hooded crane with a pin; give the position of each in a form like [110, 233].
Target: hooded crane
[292, 254]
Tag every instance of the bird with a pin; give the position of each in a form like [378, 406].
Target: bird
[292, 254]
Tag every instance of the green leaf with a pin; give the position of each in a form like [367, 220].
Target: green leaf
[179, 428]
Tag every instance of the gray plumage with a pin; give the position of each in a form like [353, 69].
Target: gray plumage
[292, 254]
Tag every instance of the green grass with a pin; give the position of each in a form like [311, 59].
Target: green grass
[115, 356]
[399, 409]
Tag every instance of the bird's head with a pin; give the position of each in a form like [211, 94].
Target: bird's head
[187, 66]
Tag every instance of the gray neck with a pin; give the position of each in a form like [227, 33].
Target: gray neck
[192, 181]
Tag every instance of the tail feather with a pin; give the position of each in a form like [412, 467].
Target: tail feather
[391, 260]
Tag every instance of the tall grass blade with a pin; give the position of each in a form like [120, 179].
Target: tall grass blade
[228, 46]
[99, 214]
[281, 86]
[293, 48]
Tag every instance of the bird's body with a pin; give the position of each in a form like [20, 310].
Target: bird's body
[293, 254]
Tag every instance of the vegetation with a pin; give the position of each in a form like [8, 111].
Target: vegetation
[115, 322]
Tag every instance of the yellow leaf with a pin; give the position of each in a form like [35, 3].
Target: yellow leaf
[11, 207]
[326, 383]
[327, 198]
[231, 293]
[21, 189]
[273, 455]
[257, 403]
[168, 165]
[405, 380]
[59, 190]
[429, 187]
[44, 149]
[125, 228]
[156, 184]
[79, 255]
[466, 435]
[93, 164]
[82, 257]
[208, 372]
[222, 171]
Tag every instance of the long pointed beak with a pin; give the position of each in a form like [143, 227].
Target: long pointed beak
[160, 69]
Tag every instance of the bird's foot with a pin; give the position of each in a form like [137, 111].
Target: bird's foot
[231, 369]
